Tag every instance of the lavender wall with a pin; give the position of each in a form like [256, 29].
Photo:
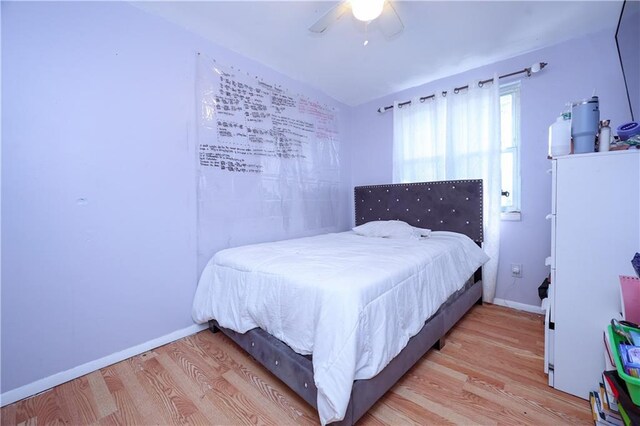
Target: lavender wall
[98, 173]
[575, 68]
[98, 181]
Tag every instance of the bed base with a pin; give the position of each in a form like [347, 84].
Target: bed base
[441, 206]
[296, 370]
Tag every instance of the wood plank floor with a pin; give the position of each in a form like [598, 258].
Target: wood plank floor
[489, 372]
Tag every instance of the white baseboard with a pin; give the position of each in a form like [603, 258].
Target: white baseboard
[519, 306]
[64, 376]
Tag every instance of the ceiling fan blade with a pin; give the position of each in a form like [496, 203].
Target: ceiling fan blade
[329, 18]
[389, 21]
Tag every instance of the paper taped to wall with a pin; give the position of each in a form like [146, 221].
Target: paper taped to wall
[268, 161]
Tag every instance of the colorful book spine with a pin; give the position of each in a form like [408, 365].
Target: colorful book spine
[629, 412]
[602, 415]
[610, 394]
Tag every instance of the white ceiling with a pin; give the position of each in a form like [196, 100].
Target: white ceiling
[441, 38]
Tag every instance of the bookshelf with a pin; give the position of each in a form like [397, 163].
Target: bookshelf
[617, 399]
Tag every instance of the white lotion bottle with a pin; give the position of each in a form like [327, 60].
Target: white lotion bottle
[605, 136]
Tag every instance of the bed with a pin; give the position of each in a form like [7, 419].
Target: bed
[367, 311]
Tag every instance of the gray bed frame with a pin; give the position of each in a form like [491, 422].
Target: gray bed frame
[440, 206]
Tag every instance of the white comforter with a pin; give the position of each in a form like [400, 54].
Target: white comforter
[352, 301]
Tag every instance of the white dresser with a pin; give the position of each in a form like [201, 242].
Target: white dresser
[595, 231]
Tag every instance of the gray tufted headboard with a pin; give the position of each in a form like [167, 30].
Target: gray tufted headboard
[452, 205]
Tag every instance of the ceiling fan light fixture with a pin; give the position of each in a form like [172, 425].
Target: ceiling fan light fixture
[366, 10]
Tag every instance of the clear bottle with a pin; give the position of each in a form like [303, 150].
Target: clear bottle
[604, 137]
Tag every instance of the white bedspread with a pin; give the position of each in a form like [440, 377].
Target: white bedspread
[352, 301]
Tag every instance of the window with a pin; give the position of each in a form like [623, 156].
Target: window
[510, 132]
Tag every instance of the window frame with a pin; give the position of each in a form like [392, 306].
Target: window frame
[513, 212]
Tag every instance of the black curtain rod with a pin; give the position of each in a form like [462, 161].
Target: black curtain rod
[458, 89]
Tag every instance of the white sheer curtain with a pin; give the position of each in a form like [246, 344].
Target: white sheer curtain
[455, 137]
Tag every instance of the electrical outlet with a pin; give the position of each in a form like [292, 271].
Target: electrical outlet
[516, 270]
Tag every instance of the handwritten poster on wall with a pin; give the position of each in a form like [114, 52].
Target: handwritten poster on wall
[268, 160]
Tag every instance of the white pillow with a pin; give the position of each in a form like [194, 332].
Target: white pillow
[390, 229]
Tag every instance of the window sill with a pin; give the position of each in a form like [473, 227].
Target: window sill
[510, 216]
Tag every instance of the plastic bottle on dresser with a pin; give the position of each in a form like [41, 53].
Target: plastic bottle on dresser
[560, 135]
[604, 138]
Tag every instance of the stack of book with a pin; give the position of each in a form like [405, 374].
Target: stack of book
[604, 406]
[615, 403]
[612, 405]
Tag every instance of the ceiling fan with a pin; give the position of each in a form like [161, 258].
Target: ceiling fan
[382, 11]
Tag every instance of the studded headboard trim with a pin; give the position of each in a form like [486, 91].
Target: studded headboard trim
[451, 205]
